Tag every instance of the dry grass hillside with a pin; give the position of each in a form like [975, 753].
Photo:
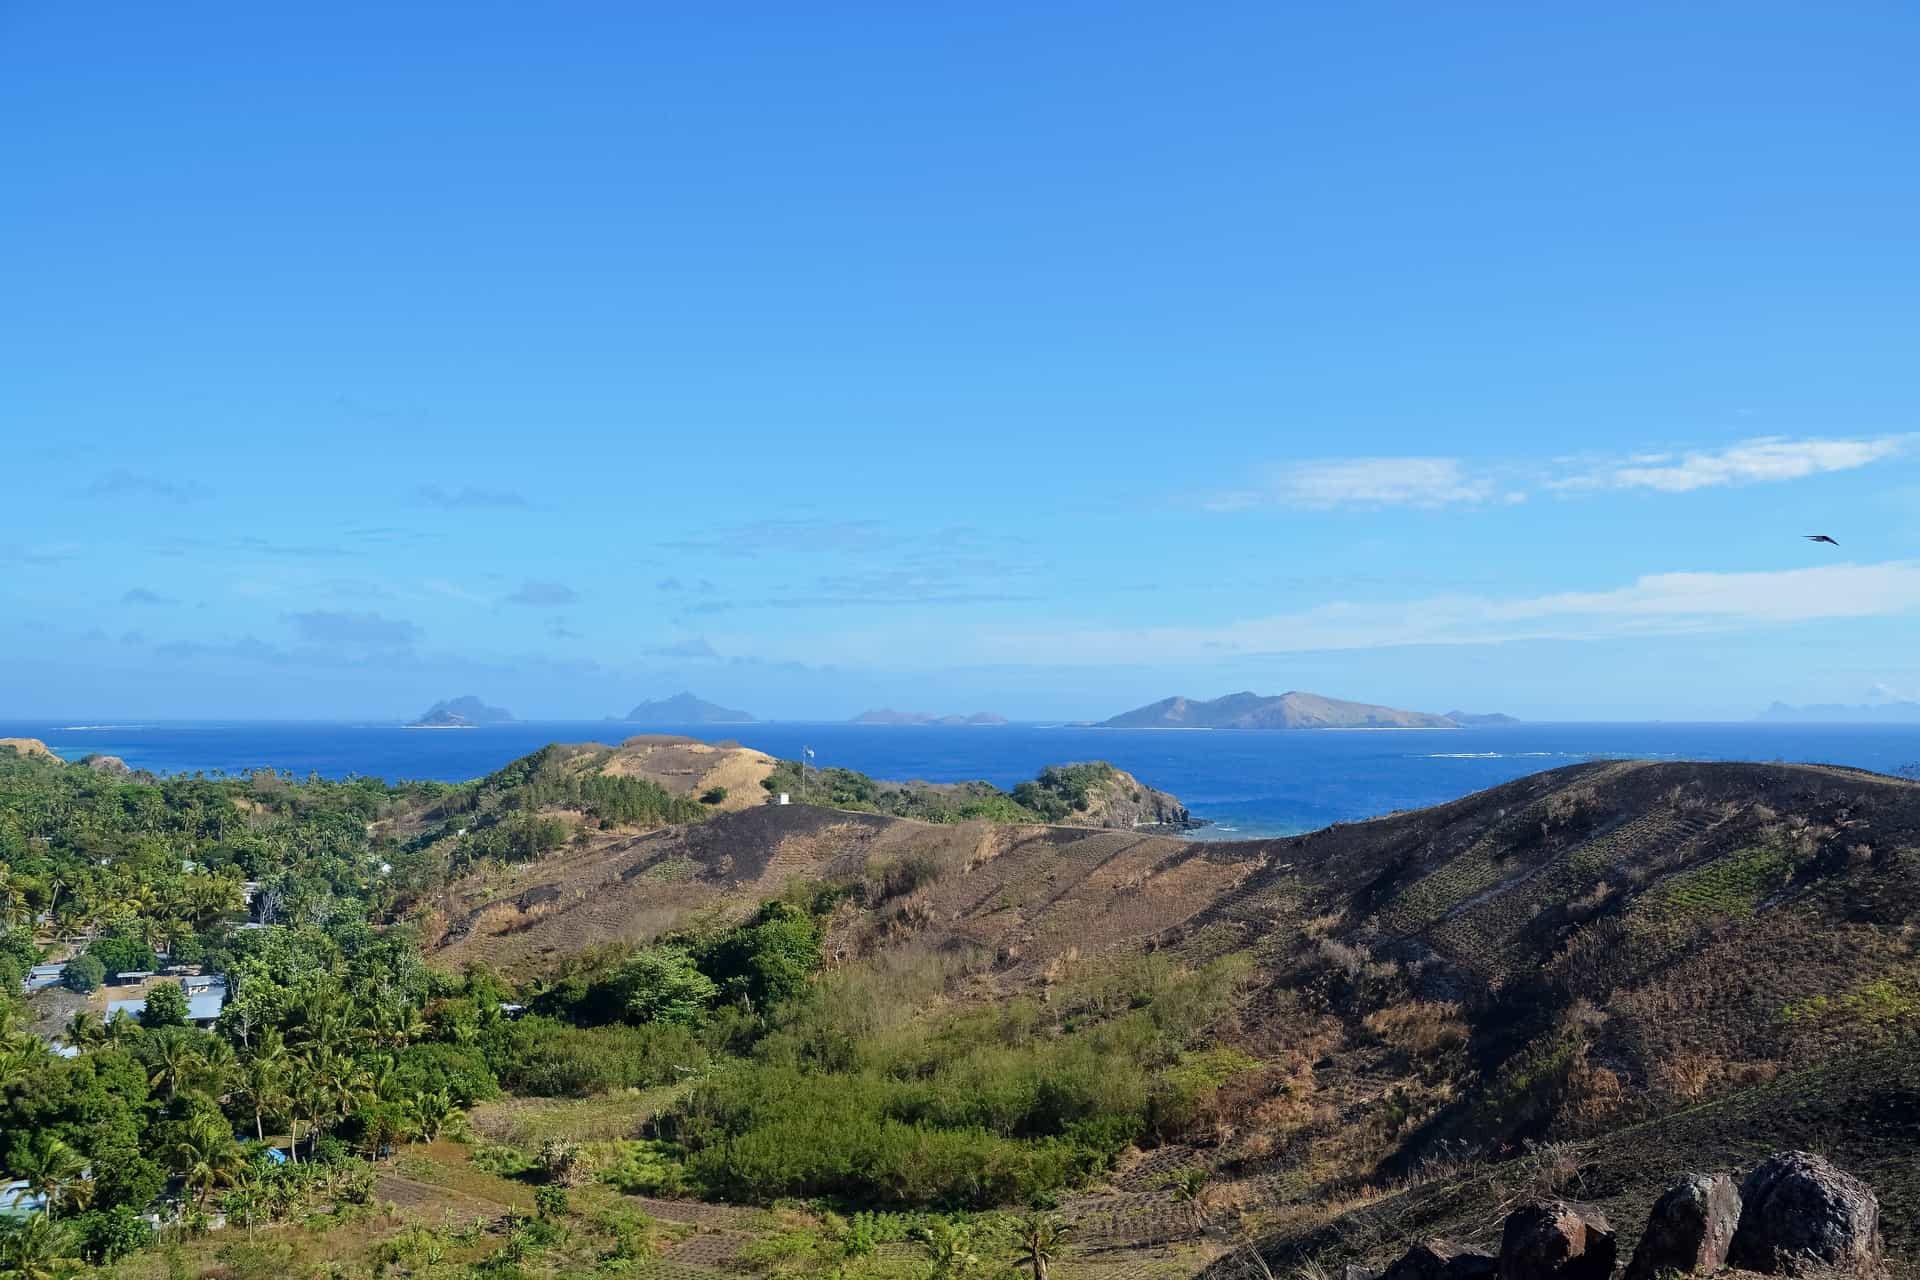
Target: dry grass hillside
[1587, 981]
[686, 766]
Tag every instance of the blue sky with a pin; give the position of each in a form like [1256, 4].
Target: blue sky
[1047, 359]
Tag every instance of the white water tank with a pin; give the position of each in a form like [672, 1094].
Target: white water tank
[782, 799]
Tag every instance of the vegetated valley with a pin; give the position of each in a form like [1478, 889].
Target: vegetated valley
[600, 1012]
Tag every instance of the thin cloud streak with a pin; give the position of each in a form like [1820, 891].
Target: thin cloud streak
[1764, 460]
[1328, 483]
[1653, 605]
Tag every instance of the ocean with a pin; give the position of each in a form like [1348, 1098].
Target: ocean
[1247, 784]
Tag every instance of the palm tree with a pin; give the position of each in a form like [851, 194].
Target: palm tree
[1039, 1238]
[38, 1249]
[263, 1080]
[207, 1155]
[302, 1101]
[119, 1028]
[217, 1070]
[175, 1060]
[85, 1030]
[434, 1113]
[16, 1064]
[54, 1170]
[948, 1247]
[339, 1082]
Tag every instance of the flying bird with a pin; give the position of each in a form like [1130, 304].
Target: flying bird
[1819, 537]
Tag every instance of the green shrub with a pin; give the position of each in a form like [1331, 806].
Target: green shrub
[991, 1107]
[540, 1055]
[118, 954]
[166, 1006]
[500, 1160]
[551, 1202]
[459, 1069]
[642, 1168]
[84, 973]
[108, 1235]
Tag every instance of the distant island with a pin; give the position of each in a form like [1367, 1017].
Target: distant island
[465, 712]
[1480, 720]
[1837, 713]
[1295, 710]
[887, 715]
[685, 708]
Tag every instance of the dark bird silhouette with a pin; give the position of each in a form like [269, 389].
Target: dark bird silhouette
[1820, 537]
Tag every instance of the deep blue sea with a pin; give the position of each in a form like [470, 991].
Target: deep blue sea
[1247, 783]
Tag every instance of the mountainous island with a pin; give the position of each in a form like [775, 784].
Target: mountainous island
[686, 708]
[1837, 713]
[1481, 720]
[1294, 710]
[464, 712]
[887, 715]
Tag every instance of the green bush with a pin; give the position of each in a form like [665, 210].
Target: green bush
[644, 1168]
[1009, 1104]
[460, 1070]
[108, 1235]
[166, 1006]
[122, 954]
[662, 985]
[539, 1055]
[84, 973]
[550, 1202]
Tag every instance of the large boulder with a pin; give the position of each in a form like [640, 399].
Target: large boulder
[1690, 1229]
[1799, 1213]
[1441, 1260]
[1556, 1240]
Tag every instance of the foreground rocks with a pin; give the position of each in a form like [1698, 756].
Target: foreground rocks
[1440, 1260]
[1690, 1229]
[1796, 1214]
[1556, 1240]
[1799, 1213]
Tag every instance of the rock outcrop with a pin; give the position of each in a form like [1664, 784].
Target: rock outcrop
[1690, 1229]
[1556, 1240]
[1125, 802]
[1441, 1260]
[1798, 1213]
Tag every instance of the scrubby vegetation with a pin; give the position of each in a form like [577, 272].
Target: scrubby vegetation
[1313, 1047]
[1059, 792]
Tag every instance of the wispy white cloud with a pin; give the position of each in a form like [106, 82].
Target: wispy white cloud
[1361, 482]
[1768, 459]
[1657, 604]
[1325, 484]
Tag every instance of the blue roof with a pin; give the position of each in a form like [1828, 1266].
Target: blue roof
[202, 1006]
[17, 1201]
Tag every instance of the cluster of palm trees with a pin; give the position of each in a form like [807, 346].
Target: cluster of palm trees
[1037, 1238]
[314, 1076]
[160, 910]
[313, 1082]
[38, 1249]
